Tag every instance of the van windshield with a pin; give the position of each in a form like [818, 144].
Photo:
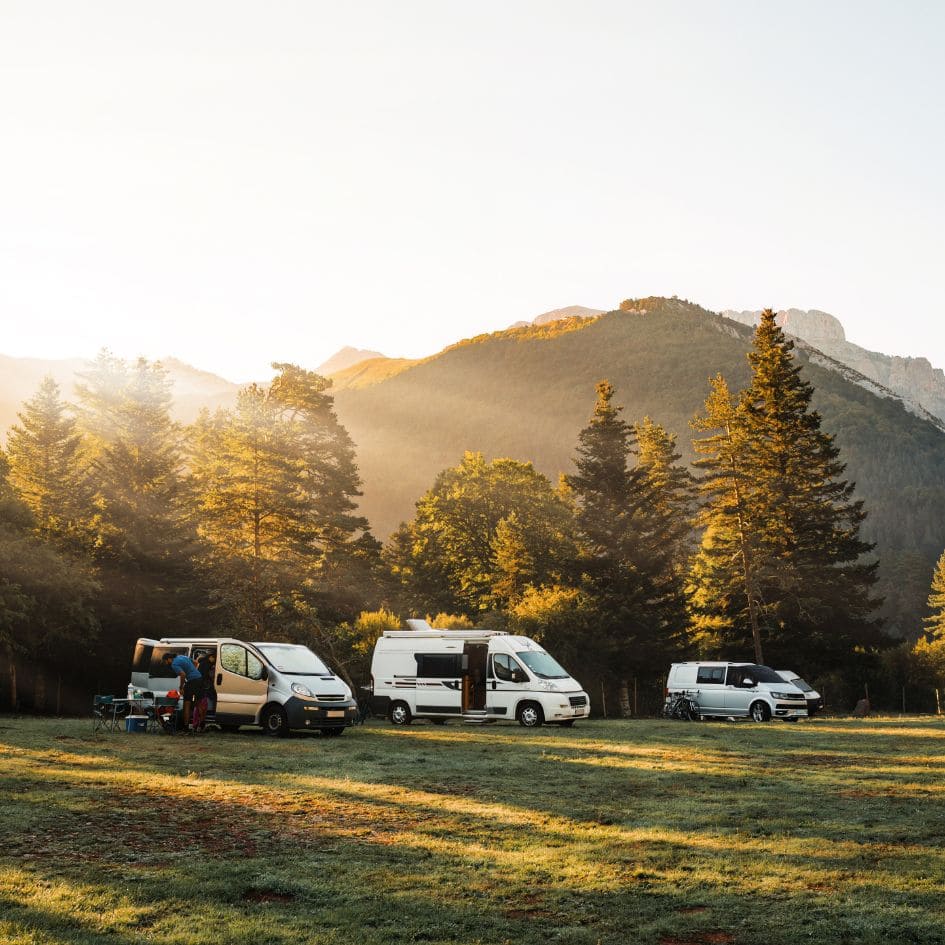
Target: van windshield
[293, 660]
[542, 665]
[762, 673]
[802, 684]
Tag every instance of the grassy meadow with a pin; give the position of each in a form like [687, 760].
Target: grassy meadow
[828, 831]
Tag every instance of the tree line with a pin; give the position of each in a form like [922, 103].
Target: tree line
[116, 522]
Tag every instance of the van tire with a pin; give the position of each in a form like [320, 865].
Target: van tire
[529, 715]
[759, 711]
[399, 714]
[274, 721]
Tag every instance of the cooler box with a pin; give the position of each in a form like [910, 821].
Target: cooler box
[136, 723]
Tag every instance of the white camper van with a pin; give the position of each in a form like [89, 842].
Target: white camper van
[473, 675]
[736, 690]
[279, 686]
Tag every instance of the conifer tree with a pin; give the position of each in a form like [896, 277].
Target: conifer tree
[627, 559]
[725, 570]
[145, 550]
[801, 561]
[47, 470]
[935, 622]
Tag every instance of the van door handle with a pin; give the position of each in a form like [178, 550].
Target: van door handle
[219, 679]
[494, 684]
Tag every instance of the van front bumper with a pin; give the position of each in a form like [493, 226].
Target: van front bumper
[790, 710]
[306, 713]
[566, 707]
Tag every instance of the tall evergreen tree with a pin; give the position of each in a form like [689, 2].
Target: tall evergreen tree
[806, 569]
[935, 622]
[145, 550]
[628, 563]
[47, 470]
[725, 570]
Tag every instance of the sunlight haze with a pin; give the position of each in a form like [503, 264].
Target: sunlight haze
[235, 184]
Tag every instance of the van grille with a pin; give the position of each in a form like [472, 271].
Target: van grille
[578, 700]
[329, 698]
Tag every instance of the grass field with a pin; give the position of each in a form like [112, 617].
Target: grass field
[612, 832]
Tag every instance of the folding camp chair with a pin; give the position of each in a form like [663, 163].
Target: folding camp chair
[104, 714]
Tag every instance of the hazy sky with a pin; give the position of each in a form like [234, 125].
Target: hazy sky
[236, 183]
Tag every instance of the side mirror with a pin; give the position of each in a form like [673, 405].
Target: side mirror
[519, 676]
[748, 682]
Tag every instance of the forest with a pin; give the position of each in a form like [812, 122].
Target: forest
[116, 522]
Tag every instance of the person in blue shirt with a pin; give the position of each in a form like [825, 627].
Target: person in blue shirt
[191, 681]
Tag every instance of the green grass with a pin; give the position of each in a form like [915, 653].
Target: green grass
[620, 832]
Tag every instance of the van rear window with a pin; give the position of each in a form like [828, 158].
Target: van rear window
[158, 669]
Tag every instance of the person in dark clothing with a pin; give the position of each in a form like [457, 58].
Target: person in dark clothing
[190, 679]
[207, 704]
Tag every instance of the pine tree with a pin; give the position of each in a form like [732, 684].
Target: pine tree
[935, 622]
[627, 565]
[800, 563]
[725, 570]
[47, 469]
[145, 551]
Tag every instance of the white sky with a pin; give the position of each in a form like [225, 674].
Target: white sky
[235, 183]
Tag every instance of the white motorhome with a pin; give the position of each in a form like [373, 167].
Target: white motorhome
[473, 675]
[736, 690]
[279, 686]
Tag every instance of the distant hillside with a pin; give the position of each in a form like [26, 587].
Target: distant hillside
[571, 311]
[346, 358]
[193, 388]
[526, 392]
[914, 379]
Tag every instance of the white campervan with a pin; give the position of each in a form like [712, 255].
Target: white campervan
[280, 686]
[473, 675]
[736, 690]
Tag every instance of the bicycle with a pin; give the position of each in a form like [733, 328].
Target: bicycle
[681, 707]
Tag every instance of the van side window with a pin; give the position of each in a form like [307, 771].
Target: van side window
[504, 666]
[157, 669]
[736, 674]
[438, 665]
[711, 674]
[239, 661]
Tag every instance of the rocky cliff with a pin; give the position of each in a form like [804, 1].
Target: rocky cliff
[913, 379]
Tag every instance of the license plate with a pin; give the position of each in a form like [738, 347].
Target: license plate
[335, 714]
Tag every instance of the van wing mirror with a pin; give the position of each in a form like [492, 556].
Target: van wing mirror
[748, 682]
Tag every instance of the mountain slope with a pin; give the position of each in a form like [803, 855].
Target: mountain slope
[913, 379]
[526, 392]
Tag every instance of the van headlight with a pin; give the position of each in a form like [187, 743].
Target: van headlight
[301, 690]
[786, 695]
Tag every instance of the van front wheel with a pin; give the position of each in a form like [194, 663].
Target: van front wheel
[400, 714]
[530, 715]
[275, 722]
[760, 711]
